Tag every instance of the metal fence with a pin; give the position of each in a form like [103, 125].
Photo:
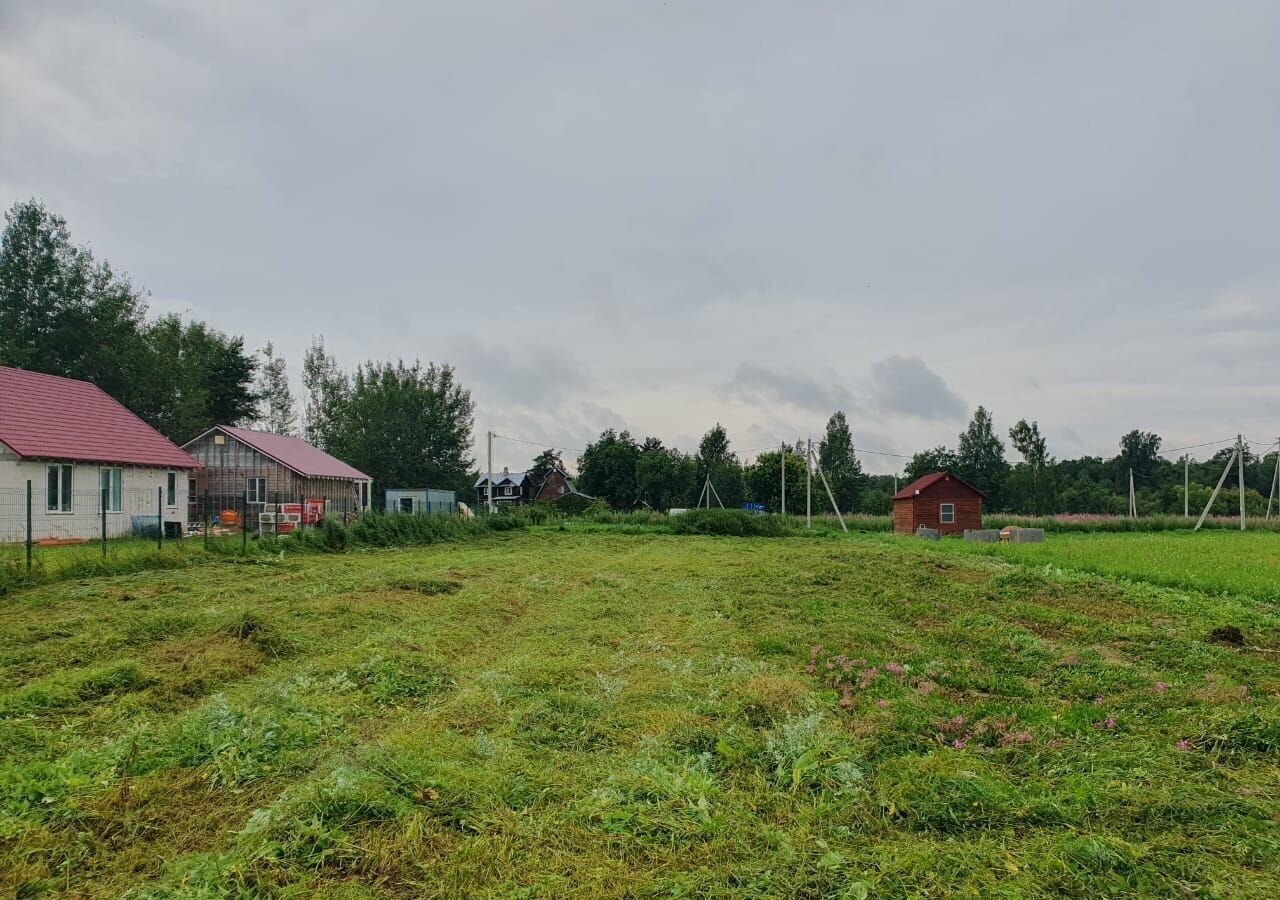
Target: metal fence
[41, 521]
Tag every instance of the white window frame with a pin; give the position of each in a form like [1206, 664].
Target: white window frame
[171, 490]
[114, 486]
[255, 496]
[942, 513]
[66, 477]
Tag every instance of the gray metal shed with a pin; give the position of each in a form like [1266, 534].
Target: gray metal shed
[421, 501]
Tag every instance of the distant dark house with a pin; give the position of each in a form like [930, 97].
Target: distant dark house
[558, 484]
[509, 488]
[255, 468]
[941, 501]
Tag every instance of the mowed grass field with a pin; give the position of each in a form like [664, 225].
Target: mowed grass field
[573, 714]
[1219, 561]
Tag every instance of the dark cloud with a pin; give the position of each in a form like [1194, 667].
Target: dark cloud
[903, 385]
[755, 382]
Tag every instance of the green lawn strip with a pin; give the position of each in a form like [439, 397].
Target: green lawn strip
[595, 714]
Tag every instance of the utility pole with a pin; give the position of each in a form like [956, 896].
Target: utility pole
[1216, 488]
[783, 452]
[1240, 474]
[830, 496]
[489, 487]
[1275, 480]
[1133, 503]
[808, 485]
[1186, 485]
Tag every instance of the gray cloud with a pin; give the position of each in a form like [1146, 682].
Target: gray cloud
[754, 382]
[646, 196]
[904, 385]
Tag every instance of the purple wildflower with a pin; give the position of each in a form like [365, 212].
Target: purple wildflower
[1183, 745]
[1160, 687]
[895, 669]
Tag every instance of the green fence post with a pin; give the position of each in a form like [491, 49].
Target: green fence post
[244, 527]
[160, 518]
[104, 523]
[28, 526]
[207, 519]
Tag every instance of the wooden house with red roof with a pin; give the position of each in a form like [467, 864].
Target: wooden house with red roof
[91, 463]
[245, 471]
[939, 500]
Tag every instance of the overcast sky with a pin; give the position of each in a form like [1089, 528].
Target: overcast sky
[657, 216]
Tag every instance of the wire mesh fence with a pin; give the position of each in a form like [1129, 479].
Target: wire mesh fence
[44, 526]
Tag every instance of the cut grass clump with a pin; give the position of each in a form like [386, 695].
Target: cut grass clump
[250, 627]
[66, 689]
[663, 800]
[430, 587]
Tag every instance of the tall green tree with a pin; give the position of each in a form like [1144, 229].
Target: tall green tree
[543, 463]
[980, 457]
[1029, 484]
[328, 390]
[406, 426]
[840, 463]
[926, 462]
[717, 461]
[1139, 451]
[607, 468]
[63, 313]
[665, 477]
[275, 398]
[764, 482]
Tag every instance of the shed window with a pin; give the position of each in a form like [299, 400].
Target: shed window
[58, 488]
[255, 490]
[110, 483]
[406, 504]
[947, 513]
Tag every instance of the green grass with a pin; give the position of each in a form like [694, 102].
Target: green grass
[590, 714]
[1213, 561]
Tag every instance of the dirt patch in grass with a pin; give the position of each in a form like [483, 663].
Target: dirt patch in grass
[189, 669]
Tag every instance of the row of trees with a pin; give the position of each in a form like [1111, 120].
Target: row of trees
[626, 472]
[64, 313]
[1040, 484]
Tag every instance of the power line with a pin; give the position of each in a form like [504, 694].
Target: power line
[1196, 446]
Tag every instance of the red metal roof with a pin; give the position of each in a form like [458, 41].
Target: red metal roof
[48, 417]
[926, 481]
[293, 452]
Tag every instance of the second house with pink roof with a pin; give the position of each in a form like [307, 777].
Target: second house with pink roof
[250, 472]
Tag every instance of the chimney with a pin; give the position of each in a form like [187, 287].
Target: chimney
[506, 471]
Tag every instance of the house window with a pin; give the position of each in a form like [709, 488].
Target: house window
[406, 504]
[191, 490]
[171, 490]
[255, 490]
[947, 513]
[58, 487]
[110, 484]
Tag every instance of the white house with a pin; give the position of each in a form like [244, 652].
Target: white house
[87, 460]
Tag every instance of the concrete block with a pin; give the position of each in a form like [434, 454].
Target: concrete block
[929, 534]
[1028, 536]
[982, 535]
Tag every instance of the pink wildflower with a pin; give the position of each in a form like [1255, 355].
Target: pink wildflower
[1160, 687]
[1109, 723]
[883, 704]
[866, 676]
[1183, 745]
[1097, 700]
[895, 669]
[958, 744]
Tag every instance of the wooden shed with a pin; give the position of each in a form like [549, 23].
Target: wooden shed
[941, 501]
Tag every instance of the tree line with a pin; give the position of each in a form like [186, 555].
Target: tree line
[62, 312]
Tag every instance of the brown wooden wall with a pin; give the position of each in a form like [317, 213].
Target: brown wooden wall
[553, 488]
[923, 509]
[228, 465]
